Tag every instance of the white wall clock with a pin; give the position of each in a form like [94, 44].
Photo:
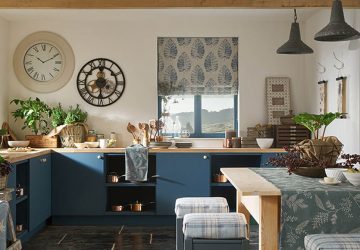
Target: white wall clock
[44, 62]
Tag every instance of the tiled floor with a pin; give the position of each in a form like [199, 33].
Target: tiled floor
[98, 238]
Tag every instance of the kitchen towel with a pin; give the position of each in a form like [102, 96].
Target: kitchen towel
[136, 163]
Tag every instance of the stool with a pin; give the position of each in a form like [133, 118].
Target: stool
[213, 231]
[332, 241]
[188, 205]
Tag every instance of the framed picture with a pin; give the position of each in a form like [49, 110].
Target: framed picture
[277, 98]
[341, 95]
[323, 96]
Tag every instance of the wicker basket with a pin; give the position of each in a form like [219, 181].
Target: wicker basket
[3, 181]
[72, 134]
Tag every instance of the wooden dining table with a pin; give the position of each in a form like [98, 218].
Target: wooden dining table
[260, 199]
[289, 207]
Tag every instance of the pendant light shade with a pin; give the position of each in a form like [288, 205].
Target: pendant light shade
[295, 45]
[337, 29]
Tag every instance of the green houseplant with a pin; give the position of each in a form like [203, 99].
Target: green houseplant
[34, 113]
[5, 169]
[69, 125]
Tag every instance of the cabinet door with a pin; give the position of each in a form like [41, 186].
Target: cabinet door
[180, 175]
[78, 184]
[39, 190]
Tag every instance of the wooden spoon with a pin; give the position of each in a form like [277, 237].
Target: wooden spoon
[131, 129]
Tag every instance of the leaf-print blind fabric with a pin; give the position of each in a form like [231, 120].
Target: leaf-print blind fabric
[197, 66]
[308, 207]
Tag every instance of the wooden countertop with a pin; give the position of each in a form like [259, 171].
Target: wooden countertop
[249, 183]
[20, 156]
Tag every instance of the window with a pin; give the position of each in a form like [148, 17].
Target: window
[201, 115]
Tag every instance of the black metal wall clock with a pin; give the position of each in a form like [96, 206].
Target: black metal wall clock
[101, 82]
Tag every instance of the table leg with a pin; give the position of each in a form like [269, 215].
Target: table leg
[269, 226]
[240, 208]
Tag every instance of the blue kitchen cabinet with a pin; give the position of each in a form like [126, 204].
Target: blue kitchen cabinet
[39, 190]
[180, 175]
[78, 184]
[265, 158]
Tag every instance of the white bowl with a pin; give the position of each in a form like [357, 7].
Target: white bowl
[265, 142]
[353, 178]
[15, 144]
[81, 145]
[94, 144]
[336, 173]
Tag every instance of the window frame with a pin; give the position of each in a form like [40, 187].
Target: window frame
[197, 119]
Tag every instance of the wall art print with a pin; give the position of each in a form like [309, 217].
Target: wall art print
[323, 96]
[341, 94]
[277, 98]
[197, 65]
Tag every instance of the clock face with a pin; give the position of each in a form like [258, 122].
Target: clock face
[43, 62]
[101, 82]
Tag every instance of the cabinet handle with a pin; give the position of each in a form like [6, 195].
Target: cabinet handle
[205, 157]
[155, 176]
[100, 157]
[43, 160]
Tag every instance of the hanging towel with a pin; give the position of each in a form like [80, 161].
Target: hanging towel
[136, 163]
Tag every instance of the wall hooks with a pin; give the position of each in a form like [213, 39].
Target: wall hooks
[342, 63]
[322, 72]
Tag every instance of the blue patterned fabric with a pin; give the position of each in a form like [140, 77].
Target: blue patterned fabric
[4, 210]
[215, 226]
[197, 66]
[189, 205]
[136, 163]
[309, 207]
[332, 241]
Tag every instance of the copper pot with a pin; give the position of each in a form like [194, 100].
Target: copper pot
[136, 207]
[220, 178]
[112, 177]
[117, 208]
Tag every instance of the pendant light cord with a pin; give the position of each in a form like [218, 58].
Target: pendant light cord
[295, 16]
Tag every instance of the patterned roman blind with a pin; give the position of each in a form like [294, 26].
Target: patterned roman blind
[197, 66]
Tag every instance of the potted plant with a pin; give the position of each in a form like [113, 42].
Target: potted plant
[69, 125]
[311, 157]
[35, 114]
[5, 169]
[321, 148]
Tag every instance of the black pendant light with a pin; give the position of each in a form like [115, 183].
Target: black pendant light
[337, 29]
[295, 45]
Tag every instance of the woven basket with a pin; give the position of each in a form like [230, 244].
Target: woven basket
[3, 181]
[72, 134]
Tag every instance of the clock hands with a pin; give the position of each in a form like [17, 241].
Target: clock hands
[40, 59]
[51, 58]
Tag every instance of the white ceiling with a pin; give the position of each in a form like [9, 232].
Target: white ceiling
[60, 14]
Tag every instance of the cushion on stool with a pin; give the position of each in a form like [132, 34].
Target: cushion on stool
[200, 205]
[332, 241]
[215, 226]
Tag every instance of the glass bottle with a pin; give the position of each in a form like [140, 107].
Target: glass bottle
[177, 127]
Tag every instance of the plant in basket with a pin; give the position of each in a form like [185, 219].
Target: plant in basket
[5, 169]
[310, 157]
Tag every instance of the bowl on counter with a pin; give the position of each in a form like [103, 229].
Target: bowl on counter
[353, 178]
[15, 144]
[265, 142]
[81, 145]
[336, 173]
[91, 144]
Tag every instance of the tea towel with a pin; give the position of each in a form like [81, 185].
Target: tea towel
[136, 163]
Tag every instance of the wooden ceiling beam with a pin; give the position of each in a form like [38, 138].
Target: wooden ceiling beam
[137, 4]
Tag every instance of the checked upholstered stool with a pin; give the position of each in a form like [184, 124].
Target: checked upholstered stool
[332, 241]
[189, 205]
[213, 231]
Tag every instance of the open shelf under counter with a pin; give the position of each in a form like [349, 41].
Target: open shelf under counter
[21, 199]
[221, 184]
[124, 213]
[129, 184]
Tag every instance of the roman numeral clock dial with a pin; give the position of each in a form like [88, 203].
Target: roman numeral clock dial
[101, 82]
[44, 62]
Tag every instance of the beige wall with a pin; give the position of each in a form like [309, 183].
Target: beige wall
[129, 38]
[348, 130]
[4, 59]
